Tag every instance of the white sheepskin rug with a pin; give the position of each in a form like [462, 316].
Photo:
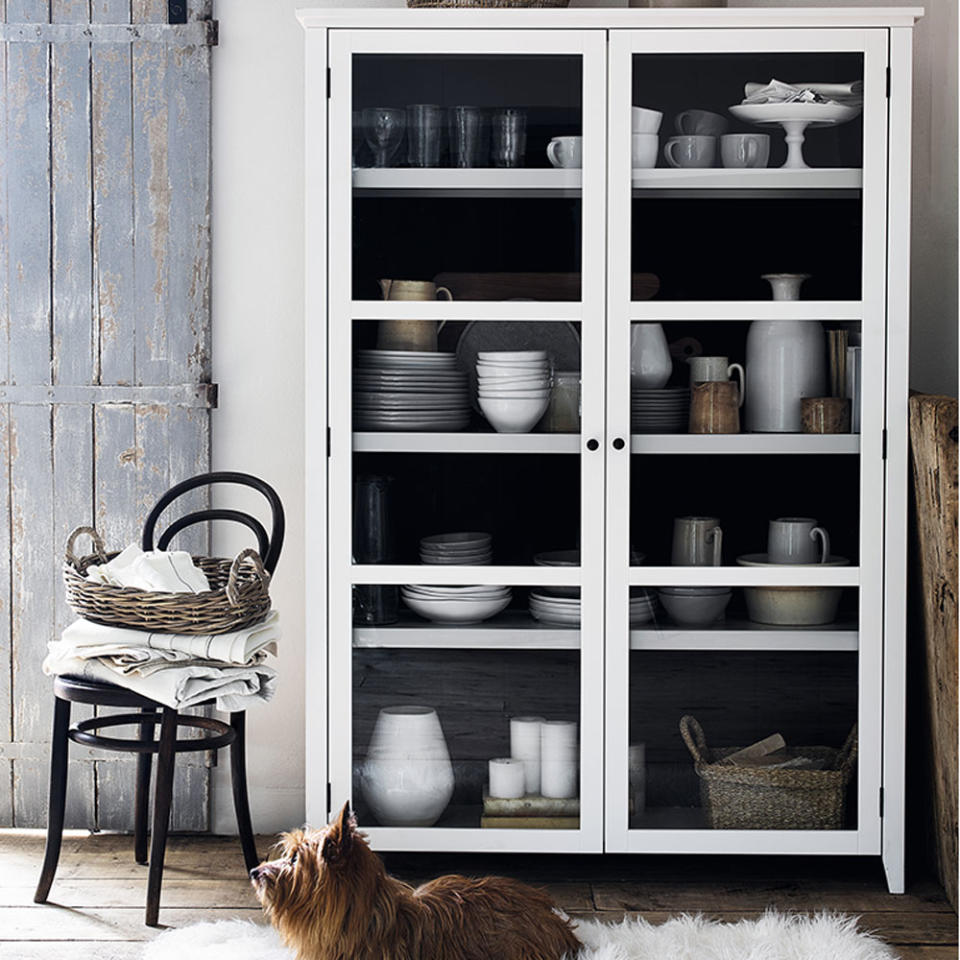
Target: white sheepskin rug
[772, 937]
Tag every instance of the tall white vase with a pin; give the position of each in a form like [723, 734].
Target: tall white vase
[650, 361]
[786, 360]
[407, 777]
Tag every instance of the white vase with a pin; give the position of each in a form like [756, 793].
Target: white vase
[650, 360]
[786, 360]
[407, 777]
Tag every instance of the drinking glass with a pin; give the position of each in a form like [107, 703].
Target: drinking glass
[384, 130]
[424, 126]
[373, 543]
[466, 131]
[509, 137]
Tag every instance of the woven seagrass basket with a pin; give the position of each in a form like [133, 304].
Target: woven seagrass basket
[488, 3]
[239, 594]
[764, 798]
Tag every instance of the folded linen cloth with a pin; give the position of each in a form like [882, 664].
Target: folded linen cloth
[182, 685]
[170, 571]
[776, 91]
[84, 640]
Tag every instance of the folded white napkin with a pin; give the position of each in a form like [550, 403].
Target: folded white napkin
[170, 571]
[85, 640]
[776, 91]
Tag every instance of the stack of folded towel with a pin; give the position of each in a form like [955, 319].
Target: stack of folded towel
[174, 669]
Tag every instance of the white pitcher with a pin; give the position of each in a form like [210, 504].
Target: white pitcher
[410, 334]
[650, 360]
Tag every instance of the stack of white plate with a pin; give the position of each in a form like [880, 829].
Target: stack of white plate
[513, 388]
[562, 611]
[659, 411]
[643, 605]
[471, 549]
[409, 390]
[456, 604]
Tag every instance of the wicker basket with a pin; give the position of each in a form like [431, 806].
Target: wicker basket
[488, 3]
[764, 798]
[239, 595]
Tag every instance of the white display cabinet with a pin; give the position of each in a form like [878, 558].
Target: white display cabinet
[573, 259]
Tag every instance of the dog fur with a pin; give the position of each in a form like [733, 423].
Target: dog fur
[331, 898]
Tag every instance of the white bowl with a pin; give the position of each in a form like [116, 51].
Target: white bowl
[445, 539]
[514, 414]
[456, 611]
[694, 611]
[514, 356]
[792, 606]
[515, 395]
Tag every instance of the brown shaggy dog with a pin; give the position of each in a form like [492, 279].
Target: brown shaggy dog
[330, 898]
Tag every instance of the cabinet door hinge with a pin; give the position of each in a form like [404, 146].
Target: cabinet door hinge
[881, 801]
[883, 444]
[329, 442]
[888, 83]
[328, 80]
[329, 797]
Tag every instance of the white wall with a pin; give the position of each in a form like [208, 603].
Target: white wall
[258, 276]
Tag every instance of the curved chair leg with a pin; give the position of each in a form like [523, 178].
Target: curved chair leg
[142, 799]
[162, 796]
[58, 797]
[238, 780]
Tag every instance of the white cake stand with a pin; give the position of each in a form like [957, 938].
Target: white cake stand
[795, 118]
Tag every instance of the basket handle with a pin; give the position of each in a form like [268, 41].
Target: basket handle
[693, 737]
[98, 546]
[848, 752]
[264, 577]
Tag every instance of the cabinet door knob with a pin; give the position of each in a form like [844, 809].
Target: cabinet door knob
[593, 444]
[619, 443]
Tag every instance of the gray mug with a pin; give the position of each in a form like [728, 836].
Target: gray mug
[745, 150]
[794, 540]
[697, 542]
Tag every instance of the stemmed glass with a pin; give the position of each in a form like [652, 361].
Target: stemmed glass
[383, 127]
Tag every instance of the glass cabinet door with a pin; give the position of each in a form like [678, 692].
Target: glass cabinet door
[466, 390]
[747, 191]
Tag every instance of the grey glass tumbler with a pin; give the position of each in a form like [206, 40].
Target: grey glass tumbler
[466, 136]
[373, 543]
[509, 137]
[424, 130]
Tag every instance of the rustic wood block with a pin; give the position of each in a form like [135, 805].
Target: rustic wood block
[933, 441]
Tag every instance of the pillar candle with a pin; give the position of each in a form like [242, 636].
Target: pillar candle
[559, 759]
[507, 778]
[525, 746]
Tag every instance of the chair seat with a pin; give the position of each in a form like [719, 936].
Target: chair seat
[103, 694]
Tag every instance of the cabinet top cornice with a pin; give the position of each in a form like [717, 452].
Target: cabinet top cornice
[610, 17]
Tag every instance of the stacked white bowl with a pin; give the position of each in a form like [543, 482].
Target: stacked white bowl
[695, 606]
[559, 611]
[513, 388]
[469, 604]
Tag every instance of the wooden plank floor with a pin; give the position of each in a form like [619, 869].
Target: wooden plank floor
[97, 899]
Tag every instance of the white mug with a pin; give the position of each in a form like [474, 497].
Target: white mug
[706, 369]
[794, 540]
[690, 151]
[697, 542]
[745, 150]
[644, 150]
[701, 123]
[645, 120]
[566, 152]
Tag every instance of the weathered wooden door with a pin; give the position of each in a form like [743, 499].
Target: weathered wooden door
[104, 338]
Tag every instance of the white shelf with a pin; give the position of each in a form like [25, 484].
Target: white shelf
[768, 443]
[466, 442]
[549, 182]
[746, 635]
[507, 631]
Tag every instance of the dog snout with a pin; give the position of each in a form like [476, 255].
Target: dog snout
[255, 874]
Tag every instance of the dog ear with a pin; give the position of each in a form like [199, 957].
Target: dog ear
[339, 839]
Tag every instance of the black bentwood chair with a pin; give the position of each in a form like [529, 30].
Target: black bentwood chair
[151, 713]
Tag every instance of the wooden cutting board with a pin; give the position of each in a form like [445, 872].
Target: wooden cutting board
[532, 286]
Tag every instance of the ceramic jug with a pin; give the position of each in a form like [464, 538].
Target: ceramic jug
[650, 360]
[410, 334]
[407, 777]
[786, 361]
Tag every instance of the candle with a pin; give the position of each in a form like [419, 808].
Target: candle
[525, 746]
[559, 759]
[507, 778]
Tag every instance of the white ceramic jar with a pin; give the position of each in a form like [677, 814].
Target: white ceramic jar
[407, 777]
[650, 360]
[786, 361]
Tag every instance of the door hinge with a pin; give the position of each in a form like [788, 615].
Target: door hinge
[883, 444]
[881, 801]
[888, 83]
[329, 442]
[329, 798]
[329, 82]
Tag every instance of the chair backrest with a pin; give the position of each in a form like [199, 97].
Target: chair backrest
[269, 545]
